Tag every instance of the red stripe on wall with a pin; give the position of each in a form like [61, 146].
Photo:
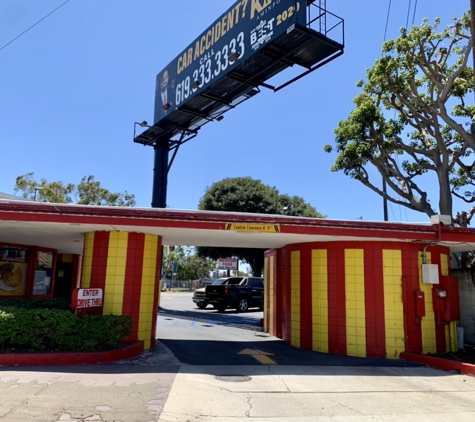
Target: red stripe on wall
[270, 322]
[374, 301]
[336, 299]
[440, 339]
[156, 292]
[267, 290]
[286, 288]
[306, 328]
[99, 260]
[279, 290]
[133, 280]
[410, 280]
[76, 269]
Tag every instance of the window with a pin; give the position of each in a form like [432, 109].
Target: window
[256, 282]
[44, 269]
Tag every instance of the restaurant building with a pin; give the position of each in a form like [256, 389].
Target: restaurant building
[354, 288]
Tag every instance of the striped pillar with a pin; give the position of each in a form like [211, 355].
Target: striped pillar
[358, 298]
[127, 267]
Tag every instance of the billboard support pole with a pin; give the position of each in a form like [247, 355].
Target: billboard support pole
[160, 174]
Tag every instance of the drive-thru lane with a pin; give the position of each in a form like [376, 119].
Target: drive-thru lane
[207, 337]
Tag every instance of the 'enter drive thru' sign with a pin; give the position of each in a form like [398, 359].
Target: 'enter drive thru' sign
[86, 298]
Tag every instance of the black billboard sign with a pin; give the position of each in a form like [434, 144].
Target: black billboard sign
[240, 32]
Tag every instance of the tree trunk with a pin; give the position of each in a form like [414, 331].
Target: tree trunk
[445, 198]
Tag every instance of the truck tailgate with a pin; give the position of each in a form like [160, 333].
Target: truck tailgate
[215, 292]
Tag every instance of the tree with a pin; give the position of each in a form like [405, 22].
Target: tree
[422, 80]
[196, 267]
[190, 266]
[87, 192]
[244, 194]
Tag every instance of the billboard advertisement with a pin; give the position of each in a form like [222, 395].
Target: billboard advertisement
[238, 33]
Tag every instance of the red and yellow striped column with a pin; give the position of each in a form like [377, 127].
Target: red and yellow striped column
[357, 298]
[127, 267]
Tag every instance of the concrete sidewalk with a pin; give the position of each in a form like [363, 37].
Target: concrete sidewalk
[134, 390]
[327, 393]
[155, 387]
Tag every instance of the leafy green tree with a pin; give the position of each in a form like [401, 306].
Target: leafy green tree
[412, 122]
[190, 266]
[87, 192]
[244, 194]
[196, 267]
[170, 255]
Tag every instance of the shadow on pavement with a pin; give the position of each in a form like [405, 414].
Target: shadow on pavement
[231, 319]
[229, 353]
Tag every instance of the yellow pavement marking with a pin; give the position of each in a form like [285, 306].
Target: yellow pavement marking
[262, 357]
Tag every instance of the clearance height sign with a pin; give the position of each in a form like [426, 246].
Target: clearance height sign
[243, 29]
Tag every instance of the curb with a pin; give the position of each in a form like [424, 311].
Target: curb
[71, 358]
[439, 363]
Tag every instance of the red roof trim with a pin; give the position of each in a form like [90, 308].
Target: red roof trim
[212, 220]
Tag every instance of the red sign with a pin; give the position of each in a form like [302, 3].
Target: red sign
[86, 298]
[227, 264]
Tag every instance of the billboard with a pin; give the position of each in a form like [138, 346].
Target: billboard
[237, 34]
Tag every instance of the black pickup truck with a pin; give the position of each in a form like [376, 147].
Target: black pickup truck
[240, 293]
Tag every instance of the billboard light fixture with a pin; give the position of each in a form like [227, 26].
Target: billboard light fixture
[144, 124]
[233, 57]
[196, 84]
[167, 106]
[219, 118]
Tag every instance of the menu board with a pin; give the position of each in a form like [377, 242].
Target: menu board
[13, 270]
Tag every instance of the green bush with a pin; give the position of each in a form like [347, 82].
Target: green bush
[33, 330]
[35, 303]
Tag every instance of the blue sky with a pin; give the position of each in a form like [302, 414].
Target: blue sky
[72, 87]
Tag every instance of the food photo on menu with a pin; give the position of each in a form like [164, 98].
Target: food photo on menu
[13, 268]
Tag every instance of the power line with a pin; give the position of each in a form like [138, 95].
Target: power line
[414, 15]
[408, 13]
[344, 193]
[32, 26]
[387, 20]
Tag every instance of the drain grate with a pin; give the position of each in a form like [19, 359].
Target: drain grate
[233, 378]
